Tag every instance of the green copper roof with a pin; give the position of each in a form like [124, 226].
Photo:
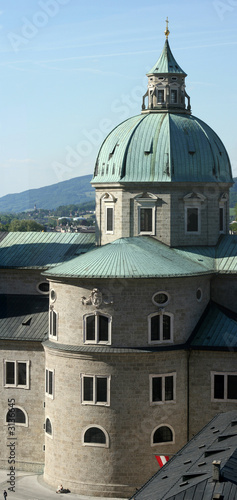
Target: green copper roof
[166, 63]
[162, 147]
[145, 257]
[41, 250]
[218, 328]
[137, 257]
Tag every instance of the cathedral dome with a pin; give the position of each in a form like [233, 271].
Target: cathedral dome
[165, 143]
[162, 146]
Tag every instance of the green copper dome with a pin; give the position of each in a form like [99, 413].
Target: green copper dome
[162, 147]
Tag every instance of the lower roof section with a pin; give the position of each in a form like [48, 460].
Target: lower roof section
[33, 250]
[23, 317]
[217, 329]
[189, 473]
[146, 257]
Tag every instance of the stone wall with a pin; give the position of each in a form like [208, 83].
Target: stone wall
[129, 460]
[29, 438]
[20, 281]
[130, 308]
[169, 208]
[202, 406]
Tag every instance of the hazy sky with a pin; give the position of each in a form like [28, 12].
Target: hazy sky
[71, 70]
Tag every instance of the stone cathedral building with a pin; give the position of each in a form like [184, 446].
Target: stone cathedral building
[122, 349]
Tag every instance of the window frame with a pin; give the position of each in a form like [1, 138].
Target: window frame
[193, 200]
[188, 207]
[222, 206]
[26, 424]
[173, 92]
[108, 206]
[162, 90]
[99, 445]
[16, 375]
[161, 341]
[97, 314]
[94, 402]
[162, 442]
[225, 398]
[53, 313]
[144, 206]
[163, 376]
[47, 393]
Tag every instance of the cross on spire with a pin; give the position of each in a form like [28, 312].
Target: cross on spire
[167, 32]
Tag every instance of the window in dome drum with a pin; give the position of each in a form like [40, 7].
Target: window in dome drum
[146, 219]
[192, 220]
[109, 219]
[221, 219]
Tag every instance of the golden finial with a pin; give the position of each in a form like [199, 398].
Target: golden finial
[167, 30]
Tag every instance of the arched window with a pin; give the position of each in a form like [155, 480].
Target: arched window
[97, 328]
[96, 436]
[17, 416]
[160, 327]
[162, 434]
[48, 426]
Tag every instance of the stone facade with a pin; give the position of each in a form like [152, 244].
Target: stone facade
[170, 202]
[28, 437]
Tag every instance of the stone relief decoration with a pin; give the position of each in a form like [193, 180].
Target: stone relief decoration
[97, 298]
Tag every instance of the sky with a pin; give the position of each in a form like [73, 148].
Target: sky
[72, 70]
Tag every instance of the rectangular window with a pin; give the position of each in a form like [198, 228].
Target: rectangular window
[53, 318]
[224, 386]
[97, 329]
[49, 382]
[192, 223]
[162, 388]
[17, 374]
[160, 97]
[110, 220]
[174, 96]
[146, 220]
[95, 389]
[221, 219]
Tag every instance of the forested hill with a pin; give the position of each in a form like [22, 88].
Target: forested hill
[77, 190]
[74, 191]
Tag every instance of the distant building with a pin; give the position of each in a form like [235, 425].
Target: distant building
[140, 352]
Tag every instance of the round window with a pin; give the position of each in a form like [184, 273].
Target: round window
[199, 294]
[160, 298]
[43, 287]
[53, 295]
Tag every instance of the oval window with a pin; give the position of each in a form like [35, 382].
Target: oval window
[199, 294]
[43, 287]
[53, 295]
[160, 298]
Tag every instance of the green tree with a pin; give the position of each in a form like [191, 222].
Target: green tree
[235, 211]
[24, 226]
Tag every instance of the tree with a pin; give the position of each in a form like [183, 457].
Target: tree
[235, 209]
[24, 226]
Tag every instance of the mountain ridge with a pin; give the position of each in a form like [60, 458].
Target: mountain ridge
[73, 191]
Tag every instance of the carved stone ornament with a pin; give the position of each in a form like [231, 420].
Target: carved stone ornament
[97, 298]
